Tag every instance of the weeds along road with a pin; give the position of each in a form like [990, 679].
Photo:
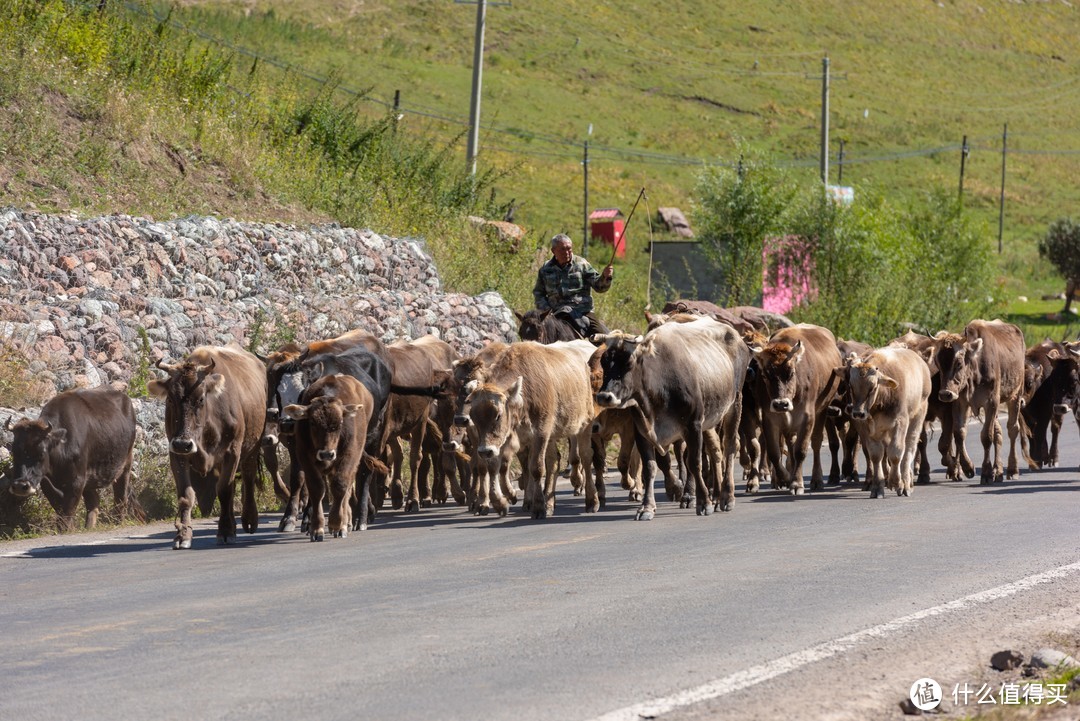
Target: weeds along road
[783, 604]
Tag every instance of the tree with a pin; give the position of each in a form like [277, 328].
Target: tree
[1061, 246]
[736, 210]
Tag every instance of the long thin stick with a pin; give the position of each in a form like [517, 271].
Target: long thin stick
[652, 244]
[626, 228]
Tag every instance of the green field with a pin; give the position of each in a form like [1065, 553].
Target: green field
[667, 89]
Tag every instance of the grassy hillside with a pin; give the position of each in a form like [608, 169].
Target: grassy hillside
[666, 87]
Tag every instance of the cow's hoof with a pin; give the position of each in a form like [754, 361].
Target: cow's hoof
[223, 540]
[316, 537]
[484, 510]
[752, 488]
[503, 512]
[579, 491]
[397, 499]
[540, 514]
[796, 490]
[181, 544]
[645, 515]
[877, 493]
[727, 507]
[686, 502]
[512, 500]
[426, 503]
[592, 507]
[363, 527]
[412, 507]
[634, 497]
[286, 525]
[923, 481]
[834, 481]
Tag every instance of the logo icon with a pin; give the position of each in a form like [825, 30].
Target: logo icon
[925, 694]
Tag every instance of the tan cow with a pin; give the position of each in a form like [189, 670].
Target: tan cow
[215, 409]
[889, 390]
[539, 395]
[981, 371]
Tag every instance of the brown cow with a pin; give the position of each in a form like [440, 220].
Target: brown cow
[795, 385]
[81, 442]
[889, 390]
[846, 433]
[215, 409]
[284, 384]
[937, 410]
[538, 394]
[685, 380]
[980, 371]
[332, 423]
[414, 365]
[1040, 412]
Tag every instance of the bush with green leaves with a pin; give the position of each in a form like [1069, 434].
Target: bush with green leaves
[875, 268]
[1061, 246]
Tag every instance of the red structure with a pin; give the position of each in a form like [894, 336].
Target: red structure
[607, 225]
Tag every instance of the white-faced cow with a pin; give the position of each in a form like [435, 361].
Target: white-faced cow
[537, 394]
[215, 409]
[685, 380]
[889, 390]
[795, 385]
[981, 371]
[81, 442]
[332, 420]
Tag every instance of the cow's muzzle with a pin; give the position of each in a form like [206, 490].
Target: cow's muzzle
[462, 421]
[487, 452]
[183, 446]
[450, 446]
[269, 440]
[834, 411]
[326, 456]
[946, 396]
[23, 488]
[1060, 409]
[782, 405]
[859, 414]
[606, 399]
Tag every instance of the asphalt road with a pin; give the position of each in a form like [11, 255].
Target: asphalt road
[442, 615]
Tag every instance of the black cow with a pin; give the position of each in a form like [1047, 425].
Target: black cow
[82, 441]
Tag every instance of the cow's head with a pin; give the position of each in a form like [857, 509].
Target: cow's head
[1064, 378]
[494, 413]
[466, 371]
[865, 382]
[957, 360]
[779, 363]
[284, 384]
[34, 444]
[532, 325]
[326, 420]
[188, 390]
[611, 365]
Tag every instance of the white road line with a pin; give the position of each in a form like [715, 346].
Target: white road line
[771, 669]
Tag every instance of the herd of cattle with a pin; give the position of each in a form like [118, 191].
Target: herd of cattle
[694, 388]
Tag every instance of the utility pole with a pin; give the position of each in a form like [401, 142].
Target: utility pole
[1001, 212]
[825, 120]
[477, 74]
[585, 208]
[964, 151]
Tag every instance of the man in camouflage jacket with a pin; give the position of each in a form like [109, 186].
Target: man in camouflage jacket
[564, 286]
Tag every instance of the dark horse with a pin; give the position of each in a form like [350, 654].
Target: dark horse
[543, 326]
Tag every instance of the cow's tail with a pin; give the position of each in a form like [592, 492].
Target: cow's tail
[374, 464]
[131, 502]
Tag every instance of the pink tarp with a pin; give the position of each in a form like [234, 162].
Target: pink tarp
[787, 267]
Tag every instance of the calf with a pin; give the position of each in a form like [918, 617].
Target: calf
[980, 371]
[685, 380]
[82, 441]
[332, 423]
[215, 409]
[889, 390]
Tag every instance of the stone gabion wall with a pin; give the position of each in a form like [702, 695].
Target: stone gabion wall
[76, 295]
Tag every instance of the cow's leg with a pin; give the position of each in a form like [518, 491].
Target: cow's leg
[875, 471]
[672, 486]
[508, 489]
[270, 460]
[1012, 471]
[496, 486]
[364, 506]
[727, 452]
[695, 490]
[991, 431]
[1055, 429]
[397, 493]
[123, 502]
[817, 434]
[750, 448]
[341, 485]
[292, 504]
[647, 510]
[185, 501]
[416, 494]
[922, 457]
[595, 494]
[773, 433]
[536, 491]
[316, 492]
[577, 476]
[225, 486]
[629, 465]
[249, 477]
[834, 450]
[92, 498]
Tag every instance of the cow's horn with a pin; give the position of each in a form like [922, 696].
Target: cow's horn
[162, 365]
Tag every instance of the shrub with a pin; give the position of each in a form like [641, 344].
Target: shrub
[1061, 246]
